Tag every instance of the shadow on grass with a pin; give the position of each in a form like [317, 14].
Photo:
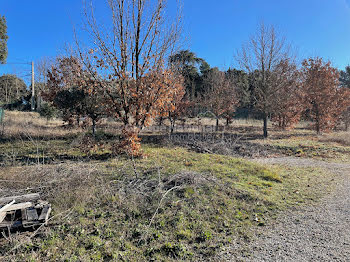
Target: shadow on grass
[26, 160]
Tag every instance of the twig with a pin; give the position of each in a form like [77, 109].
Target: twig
[156, 212]
[134, 167]
[160, 203]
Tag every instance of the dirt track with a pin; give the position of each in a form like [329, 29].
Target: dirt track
[312, 233]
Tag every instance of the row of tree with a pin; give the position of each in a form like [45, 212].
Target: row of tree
[271, 85]
[131, 72]
[12, 89]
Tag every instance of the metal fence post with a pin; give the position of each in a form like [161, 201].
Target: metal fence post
[2, 113]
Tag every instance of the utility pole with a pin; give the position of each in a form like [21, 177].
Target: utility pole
[33, 92]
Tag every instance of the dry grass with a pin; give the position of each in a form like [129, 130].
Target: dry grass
[342, 138]
[65, 185]
[30, 124]
[173, 204]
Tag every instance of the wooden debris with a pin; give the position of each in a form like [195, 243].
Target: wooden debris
[2, 216]
[19, 199]
[45, 213]
[23, 211]
[3, 210]
[14, 207]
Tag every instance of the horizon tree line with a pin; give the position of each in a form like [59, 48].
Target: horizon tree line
[135, 73]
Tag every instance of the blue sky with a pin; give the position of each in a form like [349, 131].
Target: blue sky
[213, 29]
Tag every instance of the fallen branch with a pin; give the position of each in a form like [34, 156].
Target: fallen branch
[160, 203]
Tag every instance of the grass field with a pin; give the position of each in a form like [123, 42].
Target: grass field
[174, 203]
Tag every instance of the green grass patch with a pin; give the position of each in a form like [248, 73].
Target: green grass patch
[310, 147]
[173, 204]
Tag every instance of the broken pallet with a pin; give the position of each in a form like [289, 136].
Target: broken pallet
[23, 211]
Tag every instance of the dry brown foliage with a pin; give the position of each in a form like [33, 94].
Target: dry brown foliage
[324, 99]
[288, 100]
[128, 62]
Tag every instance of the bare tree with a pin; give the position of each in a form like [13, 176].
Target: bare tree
[260, 57]
[346, 118]
[42, 67]
[288, 100]
[128, 59]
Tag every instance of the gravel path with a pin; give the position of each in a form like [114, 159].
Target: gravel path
[314, 233]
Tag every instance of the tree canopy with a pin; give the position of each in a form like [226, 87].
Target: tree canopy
[345, 77]
[187, 63]
[323, 97]
[12, 88]
[260, 57]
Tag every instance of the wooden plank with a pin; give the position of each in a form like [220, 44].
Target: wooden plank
[45, 213]
[24, 214]
[28, 224]
[18, 206]
[10, 224]
[23, 198]
[3, 210]
[32, 214]
[6, 206]
[33, 211]
[24, 217]
[2, 216]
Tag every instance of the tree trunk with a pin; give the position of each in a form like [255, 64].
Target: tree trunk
[227, 121]
[217, 124]
[346, 125]
[317, 125]
[172, 125]
[317, 118]
[160, 121]
[172, 128]
[38, 103]
[265, 126]
[193, 91]
[93, 127]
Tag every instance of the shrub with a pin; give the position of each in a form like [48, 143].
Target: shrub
[47, 111]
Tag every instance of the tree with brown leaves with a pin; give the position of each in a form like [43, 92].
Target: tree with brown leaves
[128, 60]
[71, 90]
[324, 97]
[177, 108]
[288, 103]
[220, 97]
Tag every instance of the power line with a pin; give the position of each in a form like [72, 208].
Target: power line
[14, 63]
